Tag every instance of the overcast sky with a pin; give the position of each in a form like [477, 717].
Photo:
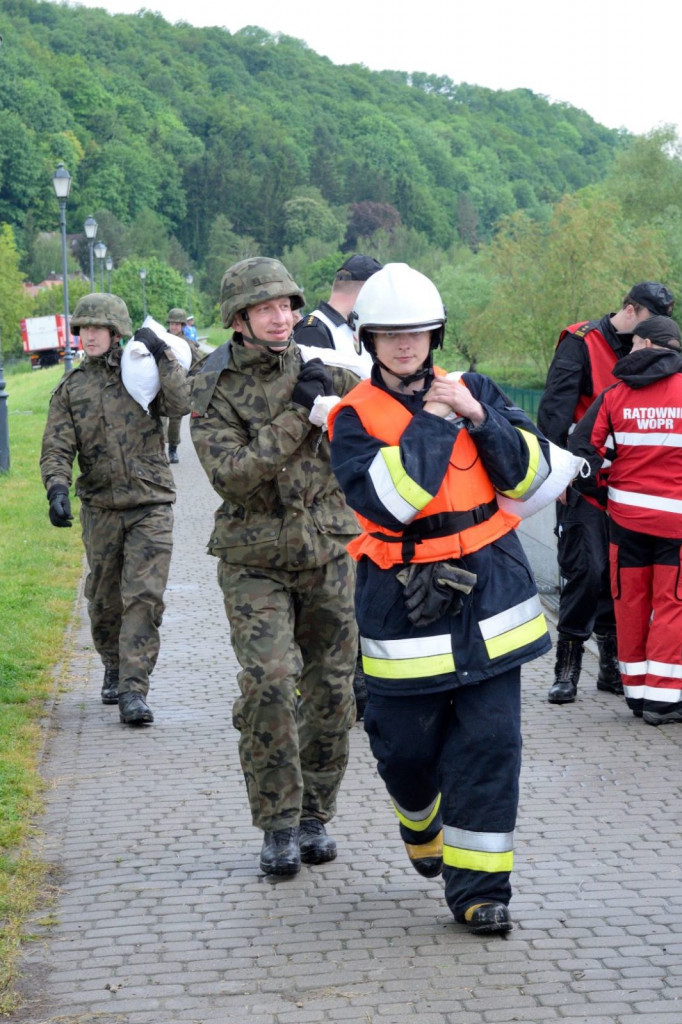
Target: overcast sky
[616, 59]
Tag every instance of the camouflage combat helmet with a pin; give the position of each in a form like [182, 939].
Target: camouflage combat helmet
[257, 279]
[176, 316]
[101, 309]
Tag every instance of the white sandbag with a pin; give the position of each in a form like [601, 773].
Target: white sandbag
[565, 468]
[140, 373]
[180, 345]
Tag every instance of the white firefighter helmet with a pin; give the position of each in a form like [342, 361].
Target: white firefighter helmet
[398, 298]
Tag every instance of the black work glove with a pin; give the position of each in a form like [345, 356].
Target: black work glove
[435, 589]
[313, 380]
[60, 506]
[153, 343]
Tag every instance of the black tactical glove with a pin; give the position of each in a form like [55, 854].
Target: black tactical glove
[313, 380]
[60, 506]
[152, 342]
[434, 589]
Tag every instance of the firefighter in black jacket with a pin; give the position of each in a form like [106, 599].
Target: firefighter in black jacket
[582, 367]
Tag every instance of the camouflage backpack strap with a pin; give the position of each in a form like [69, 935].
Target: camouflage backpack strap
[204, 378]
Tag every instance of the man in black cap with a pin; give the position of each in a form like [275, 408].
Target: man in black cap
[643, 413]
[580, 370]
[328, 328]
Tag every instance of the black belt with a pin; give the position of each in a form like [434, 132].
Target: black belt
[442, 524]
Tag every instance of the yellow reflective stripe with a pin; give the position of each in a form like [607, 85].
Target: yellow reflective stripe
[535, 476]
[417, 821]
[408, 658]
[397, 491]
[478, 851]
[473, 860]
[513, 628]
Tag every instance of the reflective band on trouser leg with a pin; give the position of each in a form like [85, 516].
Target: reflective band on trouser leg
[478, 851]
[408, 659]
[418, 821]
[633, 674]
[514, 628]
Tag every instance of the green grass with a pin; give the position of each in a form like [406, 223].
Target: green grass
[41, 567]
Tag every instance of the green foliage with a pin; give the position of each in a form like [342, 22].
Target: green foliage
[11, 293]
[164, 288]
[193, 124]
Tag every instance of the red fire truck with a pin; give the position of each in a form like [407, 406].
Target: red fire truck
[44, 340]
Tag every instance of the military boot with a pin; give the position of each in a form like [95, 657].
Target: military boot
[110, 686]
[569, 659]
[280, 854]
[133, 710]
[172, 453]
[609, 674]
[315, 845]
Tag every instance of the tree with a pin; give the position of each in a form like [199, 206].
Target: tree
[12, 300]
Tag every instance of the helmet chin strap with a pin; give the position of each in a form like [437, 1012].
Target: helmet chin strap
[425, 373]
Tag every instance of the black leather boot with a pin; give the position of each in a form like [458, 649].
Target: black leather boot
[172, 453]
[609, 674]
[133, 710]
[110, 686]
[280, 854]
[315, 845]
[487, 918]
[569, 659]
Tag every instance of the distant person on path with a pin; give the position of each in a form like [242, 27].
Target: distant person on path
[446, 602]
[328, 329]
[582, 367]
[190, 331]
[126, 492]
[177, 325]
[640, 418]
[280, 536]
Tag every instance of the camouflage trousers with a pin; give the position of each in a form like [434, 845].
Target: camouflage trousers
[295, 637]
[128, 553]
[171, 427]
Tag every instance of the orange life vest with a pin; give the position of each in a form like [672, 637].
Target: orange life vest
[462, 517]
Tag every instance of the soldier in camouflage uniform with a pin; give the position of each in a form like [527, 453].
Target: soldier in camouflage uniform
[126, 492]
[176, 322]
[280, 536]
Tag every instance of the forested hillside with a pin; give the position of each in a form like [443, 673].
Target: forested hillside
[197, 146]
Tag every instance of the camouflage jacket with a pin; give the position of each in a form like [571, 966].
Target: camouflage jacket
[120, 449]
[282, 507]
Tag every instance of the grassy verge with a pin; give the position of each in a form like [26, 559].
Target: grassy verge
[41, 567]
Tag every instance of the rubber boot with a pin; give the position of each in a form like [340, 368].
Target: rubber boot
[569, 659]
[488, 918]
[609, 674]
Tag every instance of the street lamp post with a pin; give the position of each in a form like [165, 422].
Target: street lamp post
[91, 233]
[189, 280]
[61, 181]
[143, 278]
[109, 264]
[100, 253]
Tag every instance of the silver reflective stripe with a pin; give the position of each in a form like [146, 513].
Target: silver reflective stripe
[653, 501]
[387, 493]
[662, 668]
[480, 842]
[648, 440]
[633, 668]
[663, 694]
[396, 650]
[510, 618]
[417, 815]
